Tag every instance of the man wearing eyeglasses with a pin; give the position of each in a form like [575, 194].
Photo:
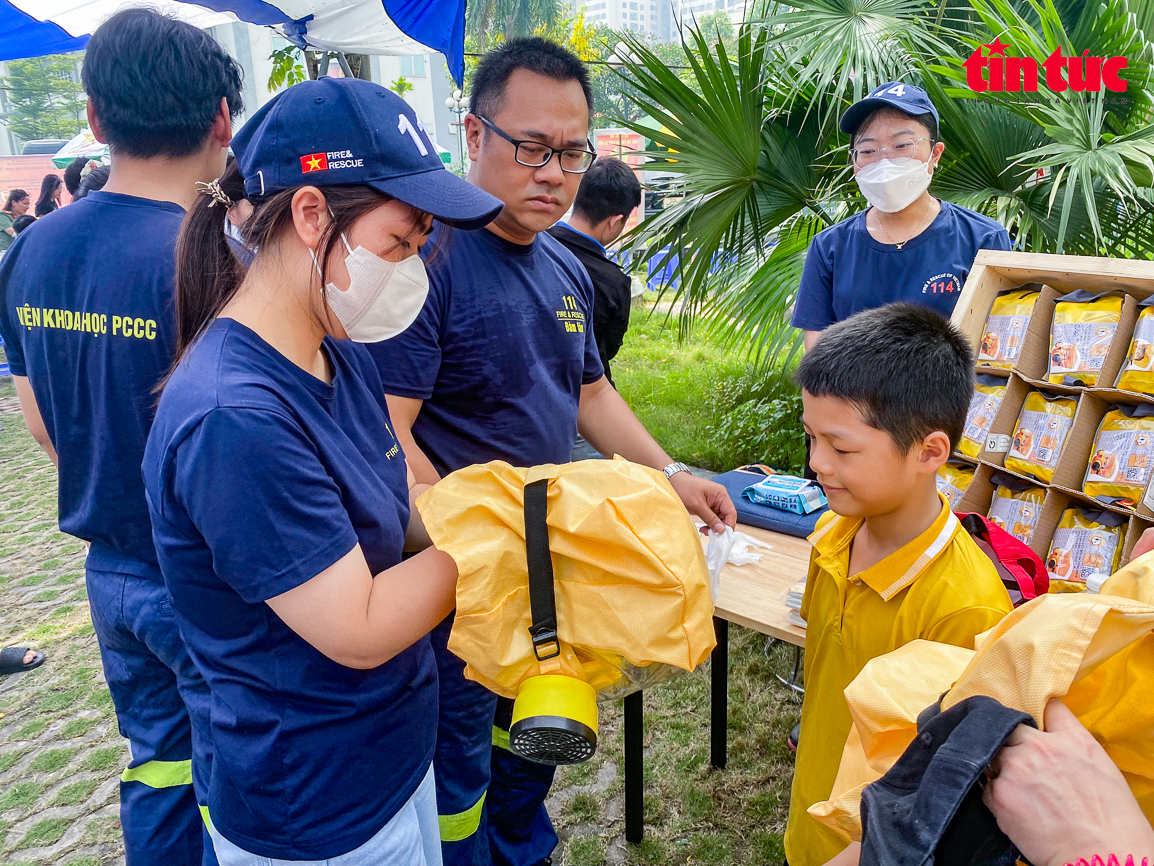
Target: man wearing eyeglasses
[502, 364]
[909, 245]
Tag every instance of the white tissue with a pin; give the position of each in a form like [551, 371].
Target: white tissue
[730, 547]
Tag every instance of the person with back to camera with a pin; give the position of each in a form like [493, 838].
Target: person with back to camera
[51, 189]
[279, 518]
[90, 289]
[885, 395]
[73, 175]
[909, 245]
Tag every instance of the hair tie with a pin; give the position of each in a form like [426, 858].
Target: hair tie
[213, 191]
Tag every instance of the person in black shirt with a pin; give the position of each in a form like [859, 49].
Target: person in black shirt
[607, 197]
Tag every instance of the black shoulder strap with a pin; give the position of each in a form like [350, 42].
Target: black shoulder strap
[542, 600]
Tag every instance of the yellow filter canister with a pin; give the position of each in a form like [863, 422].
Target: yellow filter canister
[1041, 432]
[989, 391]
[554, 720]
[1138, 371]
[1122, 455]
[1006, 329]
[1080, 336]
[1086, 542]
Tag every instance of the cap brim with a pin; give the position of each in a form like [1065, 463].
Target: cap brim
[856, 113]
[444, 195]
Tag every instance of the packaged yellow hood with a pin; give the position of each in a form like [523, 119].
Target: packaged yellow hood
[631, 591]
[1096, 652]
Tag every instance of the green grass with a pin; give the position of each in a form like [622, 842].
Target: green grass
[103, 759]
[78, 727]
[77, 792]
[31, 730]
[21, 795]
[52, 760]
[45, 832]
[704, 406]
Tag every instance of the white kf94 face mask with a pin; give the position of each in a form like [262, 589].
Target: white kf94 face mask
[891, 185]
[383, 298]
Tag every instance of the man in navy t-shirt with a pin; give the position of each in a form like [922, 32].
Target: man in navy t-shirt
[85, 313]
[908, 246]
[502, 364]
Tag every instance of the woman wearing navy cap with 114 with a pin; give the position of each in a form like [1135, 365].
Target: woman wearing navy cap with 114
[280, 500]
[908, 246]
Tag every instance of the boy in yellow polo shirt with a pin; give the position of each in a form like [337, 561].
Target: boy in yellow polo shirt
[885, 395]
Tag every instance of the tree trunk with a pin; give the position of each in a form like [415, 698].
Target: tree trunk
[312, 64]
[361, 66]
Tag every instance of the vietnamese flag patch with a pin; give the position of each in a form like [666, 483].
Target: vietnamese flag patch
[314, 162]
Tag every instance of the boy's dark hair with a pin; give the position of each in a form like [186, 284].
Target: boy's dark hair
[926, 120]
[906, 369]
[72, 174]
[156, 83]
[22, 222]
[534, 54]
[96, 179]
[608, 188]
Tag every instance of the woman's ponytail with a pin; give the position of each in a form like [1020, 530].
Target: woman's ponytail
[207, 272]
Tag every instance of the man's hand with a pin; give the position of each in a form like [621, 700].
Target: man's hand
[706, 500]
[1058, 796]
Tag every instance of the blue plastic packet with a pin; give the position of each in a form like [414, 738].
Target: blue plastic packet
[786, 492]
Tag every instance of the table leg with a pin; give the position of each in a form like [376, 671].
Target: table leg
[634, 769]
[719, 695]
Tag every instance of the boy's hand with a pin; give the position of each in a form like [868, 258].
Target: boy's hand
[706, 500]
[1058, 796]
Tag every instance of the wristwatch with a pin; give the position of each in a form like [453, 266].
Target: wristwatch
[673, 468]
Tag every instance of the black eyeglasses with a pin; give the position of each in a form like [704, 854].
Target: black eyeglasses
[534, 154]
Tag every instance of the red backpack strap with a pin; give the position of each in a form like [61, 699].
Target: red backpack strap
[1021, 570]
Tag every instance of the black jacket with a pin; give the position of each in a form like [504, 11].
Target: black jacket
[611, 292]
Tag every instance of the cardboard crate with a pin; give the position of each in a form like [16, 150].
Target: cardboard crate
[1054, 276]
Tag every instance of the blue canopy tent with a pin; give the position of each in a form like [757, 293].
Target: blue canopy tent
[31, 28]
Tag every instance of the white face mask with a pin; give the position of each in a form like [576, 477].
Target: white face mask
[365, 310]
[891, 185]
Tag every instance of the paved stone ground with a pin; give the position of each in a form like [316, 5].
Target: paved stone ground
[60, 754]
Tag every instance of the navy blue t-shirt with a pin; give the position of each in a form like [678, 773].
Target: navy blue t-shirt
[86, 315]
[847, 271]
[260, 476]
[499, 353]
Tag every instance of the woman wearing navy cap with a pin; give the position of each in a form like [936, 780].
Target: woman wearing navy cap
[908, 246]
[279, 518]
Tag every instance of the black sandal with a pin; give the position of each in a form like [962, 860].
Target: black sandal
[12, 660]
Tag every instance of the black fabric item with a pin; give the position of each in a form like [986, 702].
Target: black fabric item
[612, 293]
[542, 596]
[928, 810]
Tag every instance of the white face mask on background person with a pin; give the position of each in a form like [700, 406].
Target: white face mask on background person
[891, 185]
[383, 298]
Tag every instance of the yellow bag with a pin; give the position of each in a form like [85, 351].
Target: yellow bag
[1096, 652]
[953, 480]
[989, 391]
[1138, 371]
[1017, 506]
[633, 604]
[1086, 542]
[1040, 434]
[1080, 337]
[1006, 329]
[1122, 455]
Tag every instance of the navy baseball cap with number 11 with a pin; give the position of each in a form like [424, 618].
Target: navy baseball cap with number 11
[341, 131]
